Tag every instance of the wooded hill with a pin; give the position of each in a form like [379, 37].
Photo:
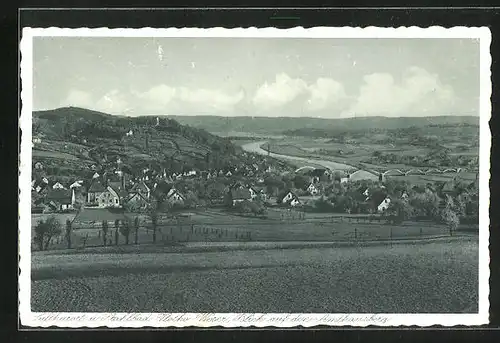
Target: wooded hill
[69, 138]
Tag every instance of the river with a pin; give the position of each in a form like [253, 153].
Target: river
[299, 161]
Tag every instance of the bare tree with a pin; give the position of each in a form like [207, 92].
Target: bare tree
[154, 223]
[136, 226]
[125, 231]
[117, 225]
[104, 231]
[68, 232]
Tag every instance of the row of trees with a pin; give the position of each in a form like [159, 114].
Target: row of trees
[46, 230]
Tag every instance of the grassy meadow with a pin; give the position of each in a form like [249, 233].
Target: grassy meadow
[218, 225]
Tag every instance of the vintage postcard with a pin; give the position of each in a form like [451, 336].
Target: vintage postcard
[254, 177]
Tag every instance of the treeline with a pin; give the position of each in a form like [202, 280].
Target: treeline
[436, 157]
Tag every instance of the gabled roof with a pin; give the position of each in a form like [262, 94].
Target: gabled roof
[383, 201]
[448, 186]
[96, 186]
[284, 194]
[117, 186]
[140, 187]
[174, 191]
[135, 195]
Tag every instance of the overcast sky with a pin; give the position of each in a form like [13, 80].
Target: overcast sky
[327, 78]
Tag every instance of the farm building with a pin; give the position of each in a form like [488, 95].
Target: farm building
[60, 199]
[142, 189]
[95, 189]
[89, 217]
[174, 196]
[253, 192]
[101, 196]
[236, 195]
[289, 198]
[312, 189]
[382, 207]
[136, 202]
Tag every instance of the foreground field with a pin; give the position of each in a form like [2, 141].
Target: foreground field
[439, 276]
[217, 225]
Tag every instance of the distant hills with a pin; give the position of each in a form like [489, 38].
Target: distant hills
[285, 125]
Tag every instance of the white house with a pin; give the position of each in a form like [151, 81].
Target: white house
[109, 198]
[253, 192]
[229, 173]
[312, 189]
[96, 175]
[76, 184]
[58, 185]
[384, 205]
[174, 196]
[291, 199]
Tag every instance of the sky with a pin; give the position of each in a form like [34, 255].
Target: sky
[327, 78]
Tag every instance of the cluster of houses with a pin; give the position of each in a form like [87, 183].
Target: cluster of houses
[99, 193]
[117, 189]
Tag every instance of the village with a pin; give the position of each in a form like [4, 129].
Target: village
[252, 189]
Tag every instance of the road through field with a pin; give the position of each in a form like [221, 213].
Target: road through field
[255, 148]
[429, 277]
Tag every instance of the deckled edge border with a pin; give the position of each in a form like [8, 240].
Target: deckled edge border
[29, 318]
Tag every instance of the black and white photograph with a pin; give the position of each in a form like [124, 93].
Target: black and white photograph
[232, 177]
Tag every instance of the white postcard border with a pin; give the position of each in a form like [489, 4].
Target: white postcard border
[136, 320]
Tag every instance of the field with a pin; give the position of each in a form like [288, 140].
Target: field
[321, 149]
[435, 277]
[358, 150]
[217, 225]
[53, 154]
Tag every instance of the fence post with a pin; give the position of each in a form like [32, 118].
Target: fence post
[355, 233]
[390, 236]
[421, 233]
